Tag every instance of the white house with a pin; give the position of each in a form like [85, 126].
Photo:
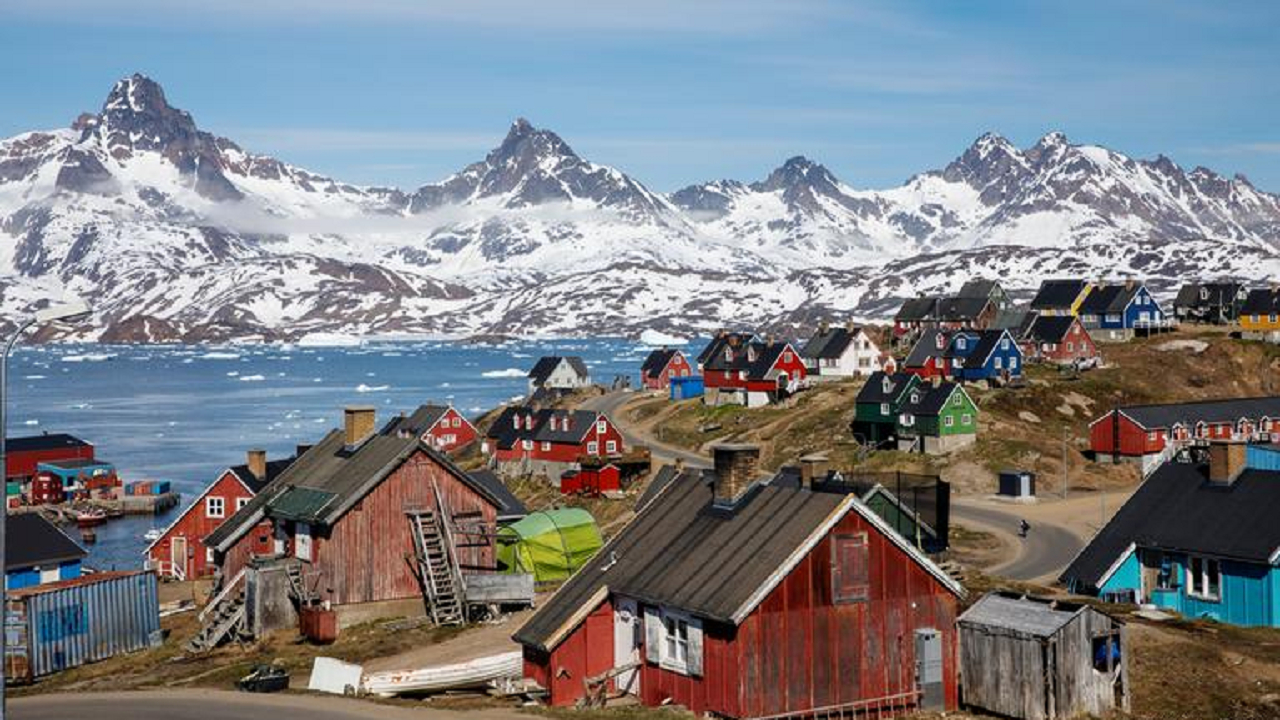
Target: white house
[841, 352]
[559, 373]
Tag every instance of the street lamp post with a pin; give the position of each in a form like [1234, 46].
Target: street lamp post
[56, 313]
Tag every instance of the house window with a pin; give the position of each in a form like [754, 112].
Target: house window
[1151, 436]
[786, 356]
[675, 641]
[966, 419]
[602, 426]
[1071, 347]
[527, 444]
[302, 542]
[884, 408]
[208, 555]
[1013, 363]
[241, 502]
[546, 446]
[998, 363]
[1204, 580]
[915, 398]
[457, 422]
[955, 400]
[1004, 343]
[887, 385]
[949, 421]
[215, 507]
[593, 447]
[1271, 317]
[611, 446]
[850, 569]
[960, 342]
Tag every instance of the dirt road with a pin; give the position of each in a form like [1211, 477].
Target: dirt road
[222, 705]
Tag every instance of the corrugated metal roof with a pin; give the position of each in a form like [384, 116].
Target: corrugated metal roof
[1040, 618]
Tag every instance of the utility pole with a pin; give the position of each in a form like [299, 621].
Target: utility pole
[1066, 471]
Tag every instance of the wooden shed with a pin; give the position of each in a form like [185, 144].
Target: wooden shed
[1041, 659]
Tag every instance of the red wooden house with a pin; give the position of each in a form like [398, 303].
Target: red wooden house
[591, 480]
[1146, 433]
[752, 600]
[662, 365]
[551, 440]
[1060, 339]
[180, 553]
[341, 509]
[442, 427]
[751, 372]
[23, 454]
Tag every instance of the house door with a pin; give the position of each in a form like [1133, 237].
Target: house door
[178, 556]
[627, 633]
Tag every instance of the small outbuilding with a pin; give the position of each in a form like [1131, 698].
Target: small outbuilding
[1042, 659]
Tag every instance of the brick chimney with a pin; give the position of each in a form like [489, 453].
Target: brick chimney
[735, 471]
[813, 466]
[358, 421]
[1227, 459]
[257, 462]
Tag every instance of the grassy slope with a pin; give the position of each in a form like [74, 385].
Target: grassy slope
[1022, 428]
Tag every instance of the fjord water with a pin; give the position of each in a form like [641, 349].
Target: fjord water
[185, 413]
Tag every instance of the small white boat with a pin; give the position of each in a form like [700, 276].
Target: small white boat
[476, 673]
[152, 535]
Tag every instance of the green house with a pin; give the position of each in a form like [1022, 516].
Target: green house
[879, 402]
[937, 419]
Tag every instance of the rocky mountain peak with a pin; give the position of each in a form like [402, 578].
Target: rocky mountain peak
[798, 172]
[525, 143]
[991, 164]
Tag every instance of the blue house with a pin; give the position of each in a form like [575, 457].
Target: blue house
[1200, 540]
[991, 355]
[37, 552]
[1115, 312]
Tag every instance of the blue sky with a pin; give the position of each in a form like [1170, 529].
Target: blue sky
[673, 91]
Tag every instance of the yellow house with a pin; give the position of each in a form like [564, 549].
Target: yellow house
[1060, 297]
[1260, 314]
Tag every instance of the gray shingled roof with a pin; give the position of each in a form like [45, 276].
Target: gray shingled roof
[1050, 329]
[31, 540]
[873, 391]
[828, 344]
[1057, 294]
[1263, 301]
[683, 552]
[657, 361]
[1226, 410]
[1105, 299]
[1178, 509]
[916, 309]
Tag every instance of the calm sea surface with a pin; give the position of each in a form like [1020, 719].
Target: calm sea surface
[185, 413]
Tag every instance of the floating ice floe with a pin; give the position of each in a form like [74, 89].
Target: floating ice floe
[31, 422]
[33, 377]
[656, 337]
[324, 339]
[508, 373]
[252, 378]
[362, 388]
[220, 356]
[89, 357]
[233, 373]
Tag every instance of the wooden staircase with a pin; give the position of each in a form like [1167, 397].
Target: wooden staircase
[438, 565]
[298, 586]
[223, 618]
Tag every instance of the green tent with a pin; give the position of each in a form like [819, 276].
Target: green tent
[551, 544]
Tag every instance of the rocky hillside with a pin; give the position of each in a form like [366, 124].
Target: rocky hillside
[177, 234]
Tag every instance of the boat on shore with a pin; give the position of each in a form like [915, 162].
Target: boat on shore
[90, 518]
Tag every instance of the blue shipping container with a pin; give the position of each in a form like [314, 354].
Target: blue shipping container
[684, 388]
[67, 624]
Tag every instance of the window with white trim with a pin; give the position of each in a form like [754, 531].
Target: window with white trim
[949, 421]
[966, 419]
[208, 555]
[1204, 578]
[602, 426]
[673, 641]
[998, 362]
[527, 444]
[611, 446]
[1004, 343]
[546, 446]
[1013, 363]
[593, 447]
[215, 506]
[884, 408]
[241, 502]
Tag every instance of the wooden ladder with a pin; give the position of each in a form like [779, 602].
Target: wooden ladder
[438, 564]
[298, 585]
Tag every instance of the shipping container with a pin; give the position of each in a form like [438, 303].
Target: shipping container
[62, 625]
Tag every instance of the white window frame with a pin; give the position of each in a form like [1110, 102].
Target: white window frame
[966, 419]
[212, 501]
[546, 446]
[302, 548]
[949, 421]
[208, 555]
[241, 502]
[999, 362]
[602, 426]
[884, 408]
[1013, 363]
[674, 651]
[1197, 585]
[527, 444]
[593, 447]
[611, 446]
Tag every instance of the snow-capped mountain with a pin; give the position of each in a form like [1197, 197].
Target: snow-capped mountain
[177, 234]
